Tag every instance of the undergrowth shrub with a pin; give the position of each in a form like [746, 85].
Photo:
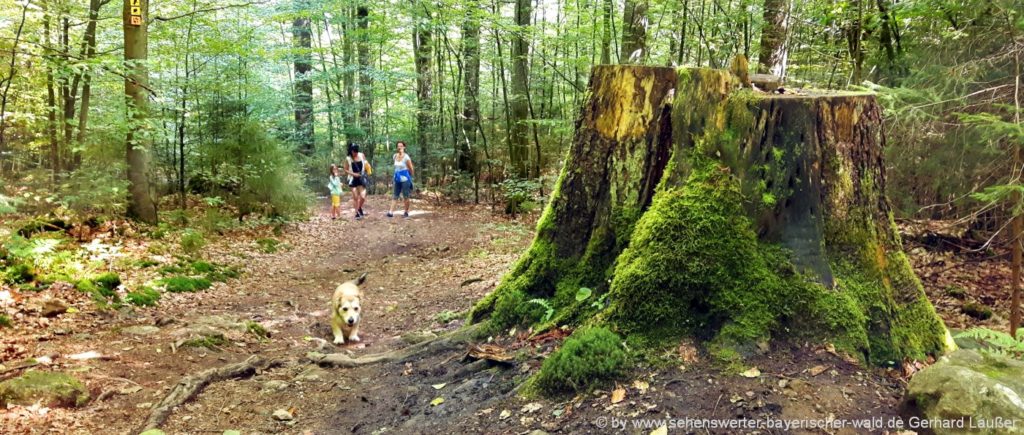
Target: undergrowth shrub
[185, 284]
[143, 297]
[192, 241]
[585, 359]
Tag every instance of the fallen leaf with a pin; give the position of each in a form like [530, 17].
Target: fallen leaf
[817, 370]
[438, 386]
[504, 414]
[531, 407]
[437, 401]
[618, 395]
[661, 430]
[753, 372]
[641, 385]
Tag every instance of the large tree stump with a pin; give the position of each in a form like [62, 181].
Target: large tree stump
[745, 216]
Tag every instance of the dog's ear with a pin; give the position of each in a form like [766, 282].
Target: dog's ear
[359, 281]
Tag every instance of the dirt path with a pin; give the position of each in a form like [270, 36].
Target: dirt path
[422, 272]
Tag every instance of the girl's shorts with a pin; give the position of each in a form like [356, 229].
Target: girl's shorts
[335, 201]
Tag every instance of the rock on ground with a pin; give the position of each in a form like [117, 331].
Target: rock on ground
[984, 392]
[48, 388]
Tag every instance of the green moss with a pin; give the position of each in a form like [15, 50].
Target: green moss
[955, 292]
[5, 321]
[256, 329]
[268, 246]
[143, 297]
[108, 280]
[86, 286]
[185, 284]
[976, 310]
[49, 388]
[212, 341]
[200, 266]
[587, 358]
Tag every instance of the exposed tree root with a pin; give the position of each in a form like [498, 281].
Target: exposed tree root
[440, 344]
[192, 385]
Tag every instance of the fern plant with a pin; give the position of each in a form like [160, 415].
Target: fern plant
[997, 342]
[549, 311]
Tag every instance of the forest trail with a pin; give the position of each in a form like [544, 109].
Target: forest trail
[415, 269]
[424, 273]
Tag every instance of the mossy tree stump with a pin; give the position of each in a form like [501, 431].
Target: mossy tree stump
[701, 209]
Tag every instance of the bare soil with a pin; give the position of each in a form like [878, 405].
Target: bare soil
[424, 272]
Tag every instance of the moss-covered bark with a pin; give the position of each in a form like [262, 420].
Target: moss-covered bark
[768, 219]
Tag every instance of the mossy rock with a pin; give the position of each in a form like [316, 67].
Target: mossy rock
[49, 388]
[586, 359]
[973, 387]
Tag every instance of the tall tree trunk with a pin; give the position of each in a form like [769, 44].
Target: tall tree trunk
[348, 77]
[519, 148]
[89, 45]
[328, 79]
[141, 204]
[1017, 226]
[365, 78]
[607, 23]
[422, 47]
[773, 55]
[466, 159]
[302, 43]
[722, 213]
[634, 32]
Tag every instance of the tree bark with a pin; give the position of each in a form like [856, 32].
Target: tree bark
[519, 147]
[302, 43]
[772, 59]
[465, 160]
[141, 204]
[742, 217]
[607, 9]
[634, 32]
[423, 47]
[365, 78]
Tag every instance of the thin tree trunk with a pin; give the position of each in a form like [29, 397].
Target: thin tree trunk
[327, 87]
[606, 31]
[466, 161]
[365, 78]
[90, 52]
[139, 145]
[1017, 226]
[11, 71]
[51, 100]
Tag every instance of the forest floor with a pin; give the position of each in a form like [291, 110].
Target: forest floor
[424, 274]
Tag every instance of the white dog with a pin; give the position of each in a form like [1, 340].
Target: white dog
[345, 310]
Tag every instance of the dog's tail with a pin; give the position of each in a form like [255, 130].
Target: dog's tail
[359, 281]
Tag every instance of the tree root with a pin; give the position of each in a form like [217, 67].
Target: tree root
[439, 344]
[190, 386]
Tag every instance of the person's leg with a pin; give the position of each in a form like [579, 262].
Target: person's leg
[406, 191]
[355, 200]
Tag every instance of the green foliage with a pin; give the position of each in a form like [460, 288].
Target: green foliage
[549, 311]
[447, 316]
[95, 189]
[956, 292]
[586, 359]
[108, 280]
[519, 195]
[257, 329]
[143, 297]
[976, 310]
[184, 284]
[5, 321]
[19, 274]
[997, 342]
[192, 241]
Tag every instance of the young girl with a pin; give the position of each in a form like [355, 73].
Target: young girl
[334, 184]
[403, 178]
[354, 168]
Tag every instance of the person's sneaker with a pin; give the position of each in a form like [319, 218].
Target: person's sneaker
[389, 214]
[358, 216]
[361, 212]
[406, 215]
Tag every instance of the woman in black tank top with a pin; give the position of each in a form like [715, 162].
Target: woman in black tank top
[354, 168]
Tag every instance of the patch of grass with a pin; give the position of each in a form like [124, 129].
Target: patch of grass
[256, 329]
[144, 263]
[192, 241]
[185, 284]
[5, 321]
[212, 342]
[976, 310]
[587, 358]
[268, 246]
[202, 267]
[143, 297]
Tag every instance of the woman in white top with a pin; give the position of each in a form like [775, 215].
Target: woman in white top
[403, 178]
